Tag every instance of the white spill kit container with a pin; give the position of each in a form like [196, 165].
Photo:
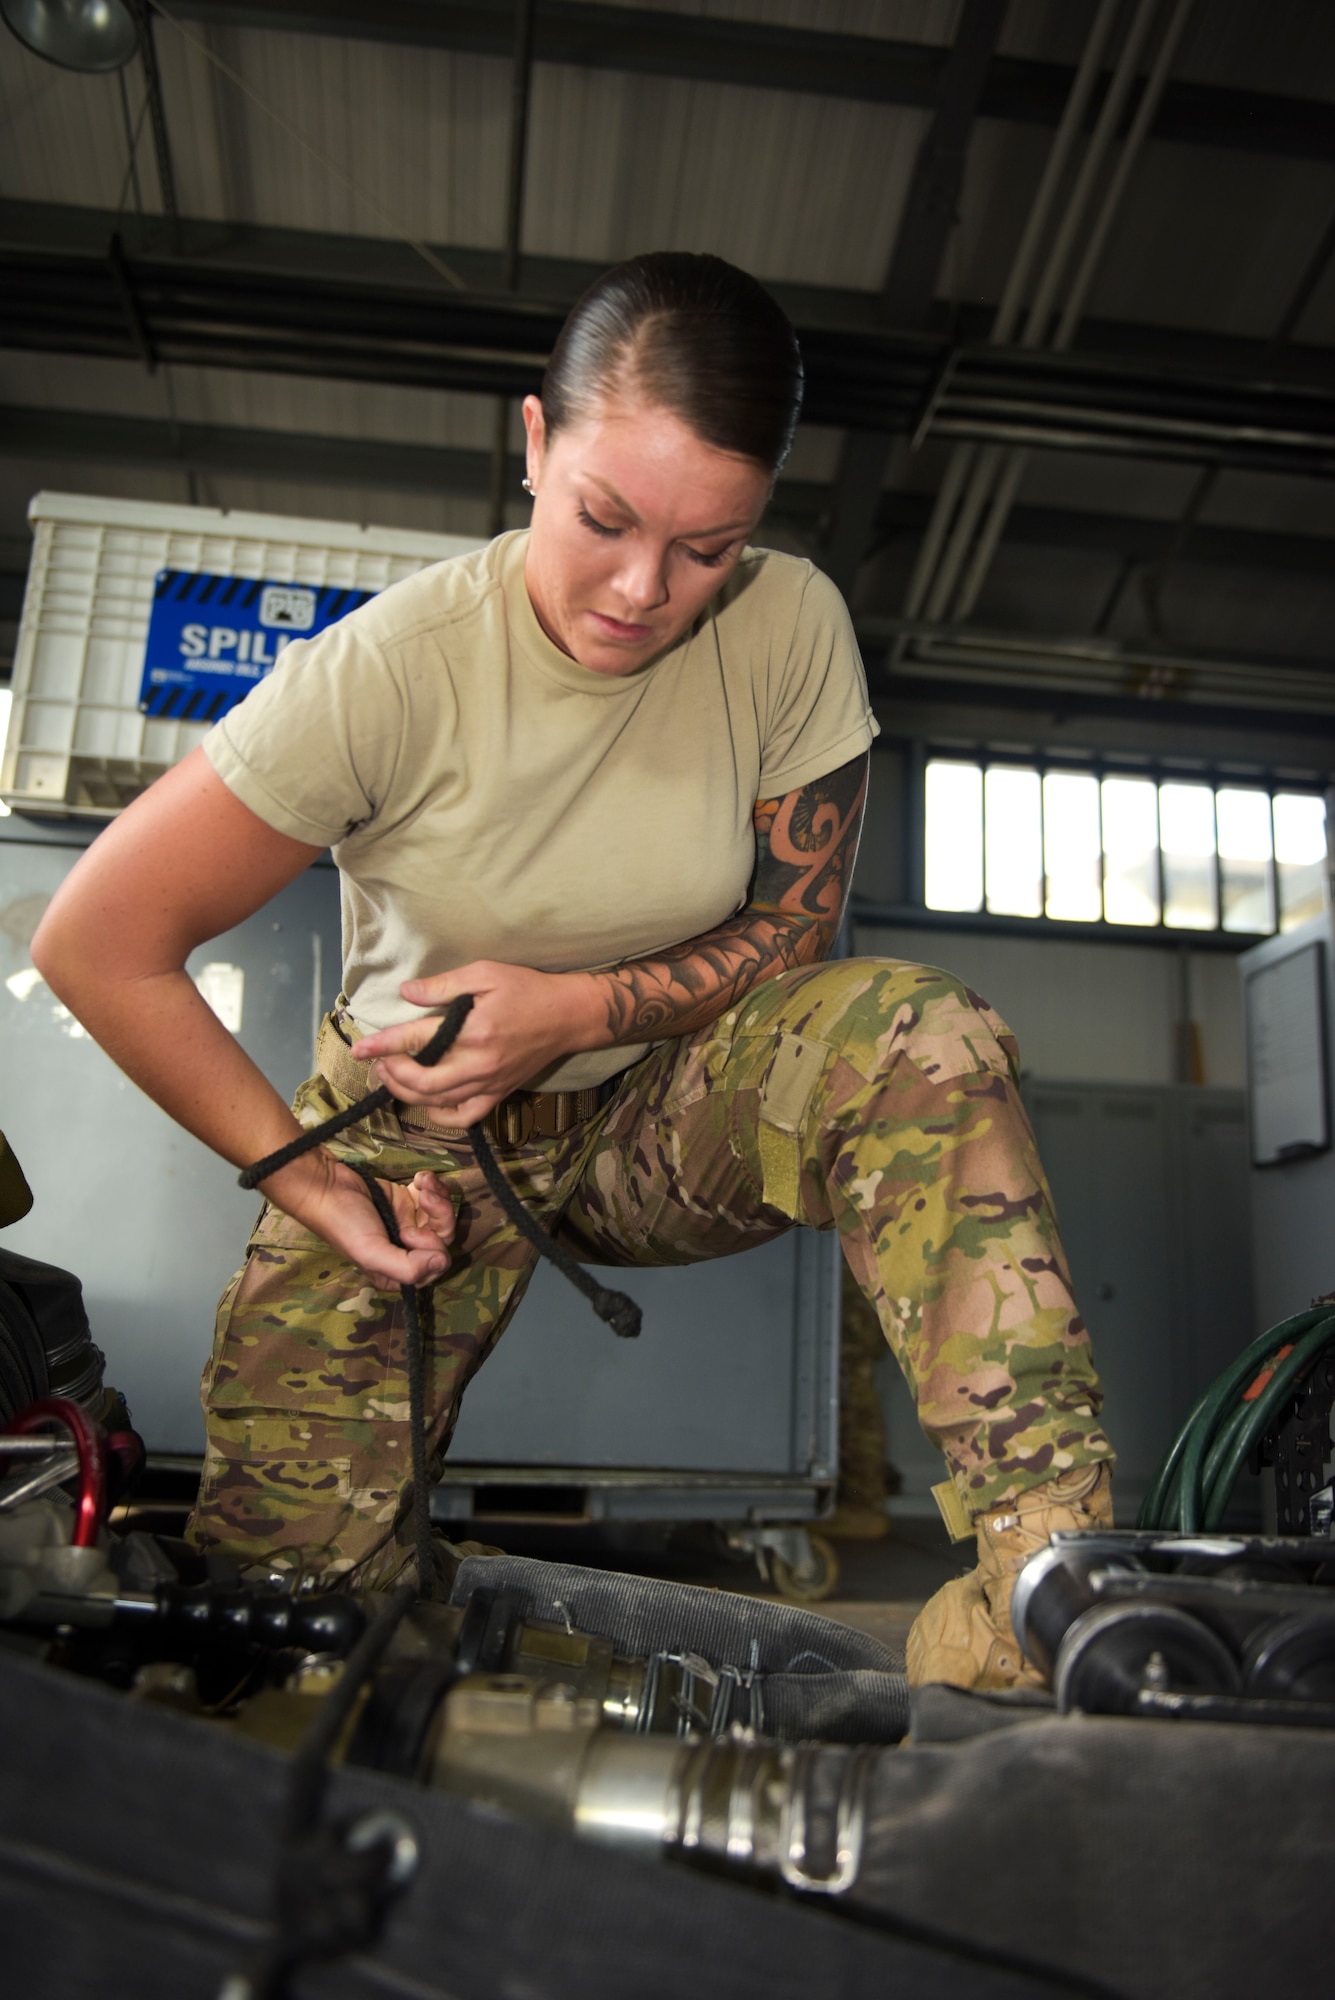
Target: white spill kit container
[143, 623]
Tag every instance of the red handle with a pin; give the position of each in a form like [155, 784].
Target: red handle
[92, 1459]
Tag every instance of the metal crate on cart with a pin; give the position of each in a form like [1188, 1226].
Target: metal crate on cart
[91, 726]
[725, 1411]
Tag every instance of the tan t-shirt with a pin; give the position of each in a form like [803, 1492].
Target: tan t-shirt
[487, 797]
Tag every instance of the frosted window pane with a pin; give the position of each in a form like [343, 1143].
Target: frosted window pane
[1014, 843]
[1244, 825]
[1072, 855]
[1186, 838]
[954, 837]
[1300, 827]
[1130, 851]
[1246, 882]
[1300, 856]
[1186, 820]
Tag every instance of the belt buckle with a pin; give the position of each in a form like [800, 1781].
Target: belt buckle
[555, 1112]
[515, 1118]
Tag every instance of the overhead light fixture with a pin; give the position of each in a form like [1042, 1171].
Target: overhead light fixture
[88, 35]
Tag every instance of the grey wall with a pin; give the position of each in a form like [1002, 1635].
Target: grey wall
[1098, 1012]
[1151, 1190]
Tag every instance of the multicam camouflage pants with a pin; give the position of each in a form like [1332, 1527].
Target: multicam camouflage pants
[868, 1096]
[862, 1462]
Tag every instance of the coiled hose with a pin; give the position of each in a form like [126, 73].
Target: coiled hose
[1191, 1490]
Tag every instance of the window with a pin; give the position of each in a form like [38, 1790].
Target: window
[954, 837]
[1081, 846]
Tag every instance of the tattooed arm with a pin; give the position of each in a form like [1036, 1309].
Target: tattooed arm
[523, 1021]
[805, 847]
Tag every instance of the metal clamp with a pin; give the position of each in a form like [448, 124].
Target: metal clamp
[849, 1828]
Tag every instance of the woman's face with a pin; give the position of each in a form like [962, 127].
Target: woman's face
[636, 524]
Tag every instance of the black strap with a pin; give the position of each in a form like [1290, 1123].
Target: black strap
[375, 1100]
[620, 1312]
[331, 1893]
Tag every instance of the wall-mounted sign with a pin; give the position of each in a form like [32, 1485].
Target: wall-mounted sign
[210, 638]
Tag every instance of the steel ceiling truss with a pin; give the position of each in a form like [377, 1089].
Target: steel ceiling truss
[1007, 667]
[89, 438]
[209, 316]
[307, 255]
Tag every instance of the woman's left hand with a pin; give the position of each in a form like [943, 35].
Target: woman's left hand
[520, 1023]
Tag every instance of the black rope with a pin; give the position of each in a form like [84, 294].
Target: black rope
[375, 1100]
[621, 1313]
[416, 1392]
[310, 1772]
[331, 1891]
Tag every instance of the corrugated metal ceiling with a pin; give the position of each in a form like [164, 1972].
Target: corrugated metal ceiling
[800, 188]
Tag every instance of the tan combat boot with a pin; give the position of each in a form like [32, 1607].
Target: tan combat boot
[963, 1635]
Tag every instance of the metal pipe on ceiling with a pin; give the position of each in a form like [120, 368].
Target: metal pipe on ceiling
[1132, 147]
[1072, 120]
[1008, 485]
[1035, 331]
[993, 478]
[1068, 129]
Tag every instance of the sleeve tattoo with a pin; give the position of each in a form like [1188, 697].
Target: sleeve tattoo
[806, 843]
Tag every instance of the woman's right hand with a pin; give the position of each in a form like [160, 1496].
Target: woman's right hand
[332, 1201]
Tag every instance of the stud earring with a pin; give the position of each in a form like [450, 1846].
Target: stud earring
[527, 485]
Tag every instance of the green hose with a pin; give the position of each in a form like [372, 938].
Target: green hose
[1191, 1489]
[1258, 1417]
[1181, 1468]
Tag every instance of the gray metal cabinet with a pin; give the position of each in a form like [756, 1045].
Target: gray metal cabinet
[1151, 1189]
[1151, 1192]
[724, 1408]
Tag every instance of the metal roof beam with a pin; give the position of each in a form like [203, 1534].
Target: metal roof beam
[373, 261]
[1308, 720]
[753, 53]
[209, 316]
[85, 438]
[162, 152]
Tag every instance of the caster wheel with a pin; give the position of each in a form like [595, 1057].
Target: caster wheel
[809, 1585]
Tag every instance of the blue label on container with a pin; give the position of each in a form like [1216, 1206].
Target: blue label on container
[210, 638]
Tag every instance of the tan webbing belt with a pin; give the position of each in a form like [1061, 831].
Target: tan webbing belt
[545, 1114]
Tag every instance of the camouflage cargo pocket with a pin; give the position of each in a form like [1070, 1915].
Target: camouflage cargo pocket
[300, 1329]
[287, 1489]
